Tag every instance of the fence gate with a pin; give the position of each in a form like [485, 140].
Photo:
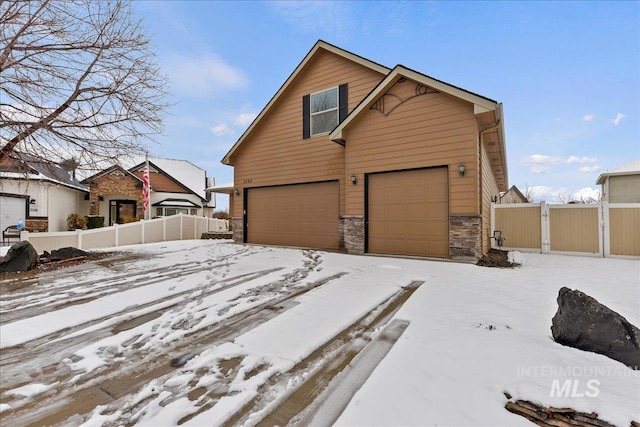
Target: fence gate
[600, 229]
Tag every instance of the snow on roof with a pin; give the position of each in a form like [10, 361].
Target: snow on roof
[34, 169]
[188, 174]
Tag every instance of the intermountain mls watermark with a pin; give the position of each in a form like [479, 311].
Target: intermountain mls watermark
[574, 381]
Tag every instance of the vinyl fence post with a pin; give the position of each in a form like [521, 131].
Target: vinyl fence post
[605, 231]
[544, 228]
[142, 230]
[164, 228]
[79, 239]
[116, 230]
[180, 226]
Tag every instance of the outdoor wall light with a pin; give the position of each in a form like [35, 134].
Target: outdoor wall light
[237, 192]
[354, 179]
[32, 201]
[461, 169]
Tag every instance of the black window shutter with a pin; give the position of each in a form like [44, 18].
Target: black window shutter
[342, 97]
[306, 116]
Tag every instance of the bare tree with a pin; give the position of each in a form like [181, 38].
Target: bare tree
[529, 193]
[78, 78]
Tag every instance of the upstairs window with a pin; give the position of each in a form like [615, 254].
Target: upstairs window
[322, 111]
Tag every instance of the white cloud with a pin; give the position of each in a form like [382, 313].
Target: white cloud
[618, 119]
[563, 195]
[588, 117]
[316, 17]
[244, 119]
[586, 194]
[221, 129]
[589, 169]
[203, 76]
[541, 163]
[581, 160]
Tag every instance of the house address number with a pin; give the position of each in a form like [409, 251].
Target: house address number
[247, 181]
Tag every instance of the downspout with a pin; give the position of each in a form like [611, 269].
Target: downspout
[480, 198]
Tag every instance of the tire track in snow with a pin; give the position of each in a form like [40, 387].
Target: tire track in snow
[19, 305]
[121, 379]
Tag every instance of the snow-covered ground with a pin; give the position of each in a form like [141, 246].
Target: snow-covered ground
[213, 333]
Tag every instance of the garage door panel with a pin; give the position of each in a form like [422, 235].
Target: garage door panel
[304, 215]
[408, 213]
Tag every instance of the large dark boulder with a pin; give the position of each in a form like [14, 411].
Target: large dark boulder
[584, 323]
[20, 257]
[66, 253]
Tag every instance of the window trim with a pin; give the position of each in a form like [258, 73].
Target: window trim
[336, 109]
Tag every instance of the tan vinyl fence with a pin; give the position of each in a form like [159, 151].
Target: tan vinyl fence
[176, 227]
[600, 229]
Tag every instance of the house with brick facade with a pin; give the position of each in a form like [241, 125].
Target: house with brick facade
[43, 194]
[353, 156]
[116, 193]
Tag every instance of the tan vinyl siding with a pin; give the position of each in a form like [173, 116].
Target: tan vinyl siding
[489, 191]
[424, 131]
[624, 189]
[574, 229]
[625, 231]
[275, 153]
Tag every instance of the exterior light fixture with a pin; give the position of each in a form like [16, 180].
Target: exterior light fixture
[32, 201]
[237, 192]
[461, 169]
[354, 179]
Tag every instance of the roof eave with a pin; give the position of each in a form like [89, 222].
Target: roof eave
[320, 44]
[480, 103]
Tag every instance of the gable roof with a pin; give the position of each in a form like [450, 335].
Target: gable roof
[109, 170]
[162, 186]
[516, 191]
[629, 168]
[25, 166]
[184, 172]
[320, 44]
[481, 106]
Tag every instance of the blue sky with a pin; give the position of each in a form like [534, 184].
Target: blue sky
[567, 73]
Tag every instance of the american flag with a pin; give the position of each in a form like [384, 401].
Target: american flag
[145, 188]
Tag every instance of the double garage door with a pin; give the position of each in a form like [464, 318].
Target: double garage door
[407, 214]
[304, 215]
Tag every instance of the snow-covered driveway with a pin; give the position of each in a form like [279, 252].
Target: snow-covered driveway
[213, 333]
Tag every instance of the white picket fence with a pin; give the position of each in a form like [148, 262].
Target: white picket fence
[176, 227]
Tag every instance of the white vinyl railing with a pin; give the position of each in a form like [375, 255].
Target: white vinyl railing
[176, 227]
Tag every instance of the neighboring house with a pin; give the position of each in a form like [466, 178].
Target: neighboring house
[513, 195]
[350, 155]
[176, 187]
[621, 184]
[40, 193]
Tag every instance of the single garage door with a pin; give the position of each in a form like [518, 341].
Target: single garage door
[12, 209]
[408, 213]
[304, 215]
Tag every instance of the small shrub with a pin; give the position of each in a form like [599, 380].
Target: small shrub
[76, 222]
[221, 215]
[95, 221]
[127, 219]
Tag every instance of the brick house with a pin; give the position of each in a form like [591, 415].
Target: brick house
[116, 193]
[353, 156]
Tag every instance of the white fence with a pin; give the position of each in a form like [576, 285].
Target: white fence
[176, 227]
[598, 229]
